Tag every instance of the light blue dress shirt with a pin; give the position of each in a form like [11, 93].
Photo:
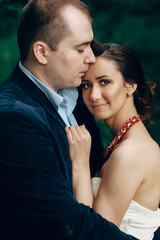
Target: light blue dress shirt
[64, 100]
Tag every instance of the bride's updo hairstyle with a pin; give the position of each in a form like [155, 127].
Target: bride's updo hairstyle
[129, 65]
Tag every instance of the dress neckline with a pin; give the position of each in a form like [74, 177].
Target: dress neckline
[108, 150]
[133, 204]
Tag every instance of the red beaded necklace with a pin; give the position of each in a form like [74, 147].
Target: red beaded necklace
[118, 137]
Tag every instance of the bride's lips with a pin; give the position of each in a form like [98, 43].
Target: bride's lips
[98, 106]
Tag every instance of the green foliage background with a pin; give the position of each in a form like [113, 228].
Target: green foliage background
[132, 22]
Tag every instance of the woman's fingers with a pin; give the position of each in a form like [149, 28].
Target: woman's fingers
[78, 135]
[79, 141]
[76, 131]
[85, 131]
[68, 133]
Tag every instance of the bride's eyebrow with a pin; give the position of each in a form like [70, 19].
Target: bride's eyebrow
[84, 80]
[97, 78]
[102, 77]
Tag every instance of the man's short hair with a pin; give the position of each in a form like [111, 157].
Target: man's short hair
[42, 20]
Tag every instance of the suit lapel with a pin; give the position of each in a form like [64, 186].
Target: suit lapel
[36, 94]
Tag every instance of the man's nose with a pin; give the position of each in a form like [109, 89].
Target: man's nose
[90, 58]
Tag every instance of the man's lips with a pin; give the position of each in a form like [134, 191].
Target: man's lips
[85, 70]
[82, 74]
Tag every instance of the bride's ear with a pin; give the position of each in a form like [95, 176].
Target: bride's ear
[130, 88]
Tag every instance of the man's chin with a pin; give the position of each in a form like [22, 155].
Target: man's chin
[79, 81]
[76, 83]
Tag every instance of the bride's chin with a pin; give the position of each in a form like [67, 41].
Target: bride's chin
[99, 117]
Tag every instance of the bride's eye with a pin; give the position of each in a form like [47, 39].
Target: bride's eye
[86, 85]
[104, 82]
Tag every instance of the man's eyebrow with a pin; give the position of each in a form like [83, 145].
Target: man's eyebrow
[83, 44]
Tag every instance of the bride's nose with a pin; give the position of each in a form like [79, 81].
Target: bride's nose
[95, 93]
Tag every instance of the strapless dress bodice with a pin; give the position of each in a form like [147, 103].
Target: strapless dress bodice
[138, 221]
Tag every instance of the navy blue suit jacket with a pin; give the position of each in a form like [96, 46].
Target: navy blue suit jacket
[36, 197]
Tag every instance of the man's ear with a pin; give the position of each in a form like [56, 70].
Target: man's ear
[39, 51]
[131, 88]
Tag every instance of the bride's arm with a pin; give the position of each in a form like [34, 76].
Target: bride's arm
[122, 175]
[79, 141]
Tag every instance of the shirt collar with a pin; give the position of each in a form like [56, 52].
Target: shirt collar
[67, 96]
[70, 96]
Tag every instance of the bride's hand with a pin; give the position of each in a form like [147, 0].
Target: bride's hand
[79, 141]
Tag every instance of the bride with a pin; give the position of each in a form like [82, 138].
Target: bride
[126, 191]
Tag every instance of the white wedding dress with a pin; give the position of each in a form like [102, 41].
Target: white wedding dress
[138, 221]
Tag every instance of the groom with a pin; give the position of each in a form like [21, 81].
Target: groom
[36, 103]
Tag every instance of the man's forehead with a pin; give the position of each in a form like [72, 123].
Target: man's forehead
[73, 15]
[79, 26]
[69, 9]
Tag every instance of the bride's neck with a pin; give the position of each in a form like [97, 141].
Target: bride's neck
[116, 122]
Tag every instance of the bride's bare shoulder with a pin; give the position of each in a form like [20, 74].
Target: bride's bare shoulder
[139, 150]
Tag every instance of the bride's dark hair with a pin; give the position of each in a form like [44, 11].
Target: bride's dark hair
[129, 65]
